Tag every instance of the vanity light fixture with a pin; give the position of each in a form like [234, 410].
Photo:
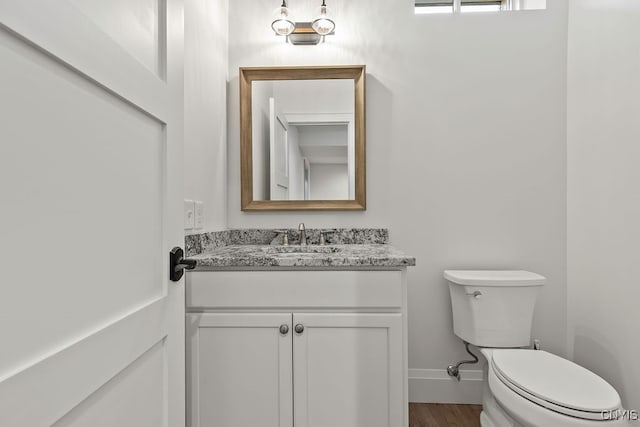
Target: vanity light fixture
[323, 24]
[283, 23]
[303, 33]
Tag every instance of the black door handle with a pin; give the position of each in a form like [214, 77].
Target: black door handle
[178, 263]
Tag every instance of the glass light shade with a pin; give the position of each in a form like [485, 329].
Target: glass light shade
[283, 23]
[323, 24]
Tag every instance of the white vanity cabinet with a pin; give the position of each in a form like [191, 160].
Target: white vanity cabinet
[239, 369]
[347, 370]
[296, 348]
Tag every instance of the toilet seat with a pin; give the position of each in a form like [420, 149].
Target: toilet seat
[555, 383]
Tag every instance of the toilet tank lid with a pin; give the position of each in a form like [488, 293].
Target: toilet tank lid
[494, 277]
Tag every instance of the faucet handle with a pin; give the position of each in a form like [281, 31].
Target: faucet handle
[285, 236]
[323, 236]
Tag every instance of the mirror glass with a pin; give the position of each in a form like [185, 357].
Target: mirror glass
[303, 136]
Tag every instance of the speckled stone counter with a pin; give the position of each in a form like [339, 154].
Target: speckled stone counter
[330, 256]
[259, 249]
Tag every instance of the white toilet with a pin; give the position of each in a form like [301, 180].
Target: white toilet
[493, 310]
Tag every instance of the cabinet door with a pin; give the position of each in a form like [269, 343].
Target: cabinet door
[239, 370]
[348, 370]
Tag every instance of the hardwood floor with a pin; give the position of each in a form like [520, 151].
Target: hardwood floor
[444, 415]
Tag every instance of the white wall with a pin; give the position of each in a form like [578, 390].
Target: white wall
[260, 139]
[466, 153]
[205, 121]
[315, 96]
[603, 183]
[329, 181]
[325, 135]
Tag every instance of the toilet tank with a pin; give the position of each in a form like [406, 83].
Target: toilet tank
[493, 308]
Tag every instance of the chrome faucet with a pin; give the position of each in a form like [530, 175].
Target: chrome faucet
[303, 234]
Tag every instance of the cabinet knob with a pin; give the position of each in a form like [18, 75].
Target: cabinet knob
[284, 329]
[299, 328]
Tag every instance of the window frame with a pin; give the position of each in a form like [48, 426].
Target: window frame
[457, 6]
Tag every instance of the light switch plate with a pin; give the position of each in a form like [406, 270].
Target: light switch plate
[189, 214]
[199, 214]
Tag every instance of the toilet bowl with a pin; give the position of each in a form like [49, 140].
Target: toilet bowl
[493, 310]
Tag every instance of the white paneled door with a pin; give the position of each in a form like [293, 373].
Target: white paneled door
[91, 100]
[278, 152]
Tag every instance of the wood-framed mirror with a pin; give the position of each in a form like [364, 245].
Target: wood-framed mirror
[302, 138]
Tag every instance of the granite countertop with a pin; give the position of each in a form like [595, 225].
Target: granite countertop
[263, 248]
[311, 256]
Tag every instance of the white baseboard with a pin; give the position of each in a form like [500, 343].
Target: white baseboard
[435, 386]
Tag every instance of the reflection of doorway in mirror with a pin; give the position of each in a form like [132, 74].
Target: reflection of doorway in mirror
[325, 146]
[335, 95]
[327, 142]
[294, 121]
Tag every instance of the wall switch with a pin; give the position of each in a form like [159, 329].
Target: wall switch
[189, 214]
[199, 214]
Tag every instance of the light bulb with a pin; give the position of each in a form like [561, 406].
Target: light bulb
[323, 24]
[283, 23]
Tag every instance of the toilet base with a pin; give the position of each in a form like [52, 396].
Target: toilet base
[485, 421]
[492, 414]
